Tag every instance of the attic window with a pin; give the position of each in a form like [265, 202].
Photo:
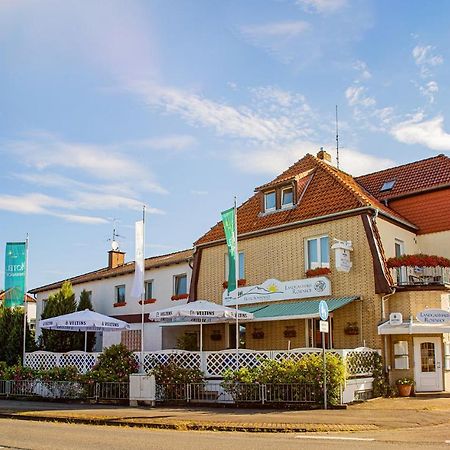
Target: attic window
[287, 197]
[387, 185]
[270, 203]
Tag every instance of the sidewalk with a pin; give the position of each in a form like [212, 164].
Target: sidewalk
[377, 414]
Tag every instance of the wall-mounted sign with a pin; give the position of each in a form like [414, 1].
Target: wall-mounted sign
[435, 316]
[395, 318]
[342, 258]
[275, 290]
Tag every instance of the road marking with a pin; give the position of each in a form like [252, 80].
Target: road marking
[337, 438]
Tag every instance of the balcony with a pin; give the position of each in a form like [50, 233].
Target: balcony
[407, 276]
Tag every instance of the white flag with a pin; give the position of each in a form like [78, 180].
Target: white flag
[138, 283]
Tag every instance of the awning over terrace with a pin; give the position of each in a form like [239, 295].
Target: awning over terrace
[307, 309]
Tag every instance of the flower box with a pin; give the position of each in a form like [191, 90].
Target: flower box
[179, 297]
[241, 283]
[419, 260]
[119, 304]
[351, 329]
[319, 271]
[148, 301]
[290, 333]
[216, 336]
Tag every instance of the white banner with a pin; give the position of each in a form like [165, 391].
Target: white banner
[138, 283]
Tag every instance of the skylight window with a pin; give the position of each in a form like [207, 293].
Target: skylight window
[387, 185]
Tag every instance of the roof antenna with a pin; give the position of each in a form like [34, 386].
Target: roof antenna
[337, 139]
[114, 241]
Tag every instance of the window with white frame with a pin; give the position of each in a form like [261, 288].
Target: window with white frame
[270, 201]
[399, 248]
[180, 284]
[120, 293]
[317, 252]
[149, 289]
[287, 197]
[241, 266]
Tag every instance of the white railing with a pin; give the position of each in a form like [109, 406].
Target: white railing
[360, 361]
[420, 276]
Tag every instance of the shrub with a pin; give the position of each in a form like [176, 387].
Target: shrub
[171, 373]
[307, 370]
[116, 363]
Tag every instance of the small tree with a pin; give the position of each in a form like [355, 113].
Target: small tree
[11, 335]
[85, 303]
[63, 302]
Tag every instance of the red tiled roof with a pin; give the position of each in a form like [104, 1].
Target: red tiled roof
[435, 218]
[150, 263]
[327, 190]
[409, 178]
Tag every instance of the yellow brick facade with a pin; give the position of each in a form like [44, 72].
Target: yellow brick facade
[281, 255]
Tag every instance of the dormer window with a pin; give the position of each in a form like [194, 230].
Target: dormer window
[270, 201]
[287, 197]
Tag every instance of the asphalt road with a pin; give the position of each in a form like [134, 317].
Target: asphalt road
[19, 434]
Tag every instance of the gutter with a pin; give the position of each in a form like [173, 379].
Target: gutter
[355, 211]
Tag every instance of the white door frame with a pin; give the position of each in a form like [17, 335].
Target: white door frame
[428, 381]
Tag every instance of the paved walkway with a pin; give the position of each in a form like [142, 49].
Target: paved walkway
[377, 414]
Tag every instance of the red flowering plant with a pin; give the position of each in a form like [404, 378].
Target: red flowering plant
[179, 297]
[319, 271]
[419, 260]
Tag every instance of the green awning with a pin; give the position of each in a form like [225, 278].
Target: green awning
[306, 309]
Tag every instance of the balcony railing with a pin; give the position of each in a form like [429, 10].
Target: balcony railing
[420, 276]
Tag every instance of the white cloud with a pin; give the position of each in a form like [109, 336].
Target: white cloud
[44, 150]
[425, 58]
[322, 6]
[362, 69]
[430, 133]
[273, 161]
[429, 90]
[356, 96]
[276, 29]
[256, 124]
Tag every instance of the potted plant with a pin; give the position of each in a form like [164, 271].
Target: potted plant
[404, 386]
[351, 329]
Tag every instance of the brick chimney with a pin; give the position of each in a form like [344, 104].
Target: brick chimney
[324, 156]
[115, 259]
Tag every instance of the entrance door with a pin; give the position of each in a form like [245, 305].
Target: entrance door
[428, 364]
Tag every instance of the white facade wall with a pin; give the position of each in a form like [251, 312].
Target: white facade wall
[103, 299]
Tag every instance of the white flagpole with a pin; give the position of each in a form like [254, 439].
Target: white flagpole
[25, 306]
[237, 281]
[143, 292]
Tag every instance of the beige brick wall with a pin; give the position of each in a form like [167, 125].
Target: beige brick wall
[409, 303]
[281, 255]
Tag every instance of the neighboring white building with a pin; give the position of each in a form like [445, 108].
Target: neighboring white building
[167, 281]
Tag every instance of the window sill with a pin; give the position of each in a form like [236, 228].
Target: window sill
[119, 304]
[148, 301]
[179, 297]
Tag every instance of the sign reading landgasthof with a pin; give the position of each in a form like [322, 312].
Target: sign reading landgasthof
[275, 290]
[434, 316]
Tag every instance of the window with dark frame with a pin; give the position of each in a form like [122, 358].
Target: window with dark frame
[148, 289]
[120, 294]
[180, 284]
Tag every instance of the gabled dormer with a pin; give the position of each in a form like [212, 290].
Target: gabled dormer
[283, 194]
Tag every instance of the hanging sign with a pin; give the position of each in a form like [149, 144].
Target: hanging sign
[323, 326]
[342, 255]
[435, 316]
[15, 271]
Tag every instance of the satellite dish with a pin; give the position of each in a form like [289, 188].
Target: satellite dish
[115, 245]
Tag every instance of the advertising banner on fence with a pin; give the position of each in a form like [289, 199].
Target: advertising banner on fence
[15, 273]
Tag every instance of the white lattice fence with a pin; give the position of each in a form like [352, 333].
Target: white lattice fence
[360, 361]
[190, 360]
[218, 362]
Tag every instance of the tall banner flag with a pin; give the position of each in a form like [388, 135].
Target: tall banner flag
[229, 226]
[139, 262]
[15, 273]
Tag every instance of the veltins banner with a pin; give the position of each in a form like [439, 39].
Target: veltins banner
[15, 271]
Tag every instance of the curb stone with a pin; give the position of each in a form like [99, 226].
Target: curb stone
[194, 426]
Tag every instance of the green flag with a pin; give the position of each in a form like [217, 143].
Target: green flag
[229, 226]
[15, 270]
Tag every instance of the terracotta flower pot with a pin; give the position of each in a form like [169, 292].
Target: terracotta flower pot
[404, 390]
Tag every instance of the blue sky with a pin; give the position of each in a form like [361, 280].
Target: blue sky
[182, 104]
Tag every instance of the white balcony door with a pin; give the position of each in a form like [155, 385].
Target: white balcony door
[428, 364]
